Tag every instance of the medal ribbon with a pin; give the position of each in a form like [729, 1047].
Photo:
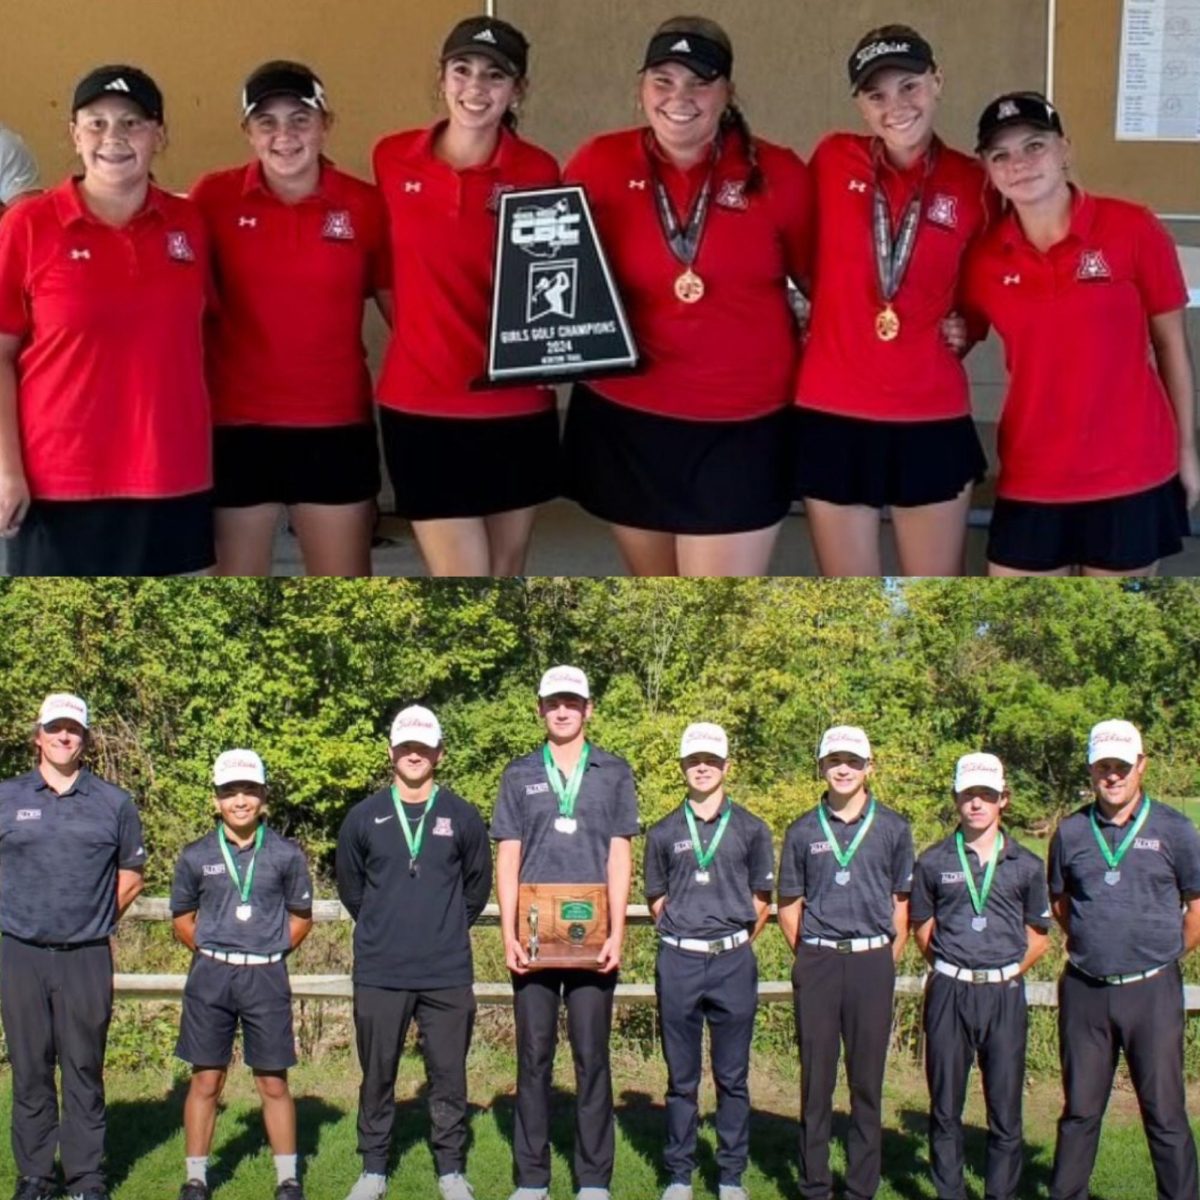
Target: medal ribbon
[243, 888]
[979, 896]
[704, 857]
[683, 241]
[893, 257]
[414, 840]
[570, 793]
[1114, 860]
[845, 857]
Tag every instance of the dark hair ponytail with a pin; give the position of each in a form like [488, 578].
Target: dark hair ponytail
[733, 120]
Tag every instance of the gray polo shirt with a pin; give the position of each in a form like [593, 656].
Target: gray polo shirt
[59, 857]
[281, 885]
[1137, 923]
[527, 808]
[1018, 898]
[743, 864]
[18, 171]
[882, 868]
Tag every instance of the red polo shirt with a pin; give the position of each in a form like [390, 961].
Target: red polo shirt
[847, 369]
[1086, 416]
[285, 345]
[443, 233]
[732, 354]
[110, 374]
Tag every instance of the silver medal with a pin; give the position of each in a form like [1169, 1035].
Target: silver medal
[1112, 878]
[242, 912]
[703, 877]
[566, 824]
[979, 924]
[842, 878]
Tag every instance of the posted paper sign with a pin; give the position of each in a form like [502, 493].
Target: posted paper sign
[1158, 97]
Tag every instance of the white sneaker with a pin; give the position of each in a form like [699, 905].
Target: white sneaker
[593, 1193]
[677, 1191]
[524, 1193]
[732, 1191]
[455, 1187]
[368, 1187]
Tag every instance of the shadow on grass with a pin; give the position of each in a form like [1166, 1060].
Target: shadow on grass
[138, 1127]
[249, 1136]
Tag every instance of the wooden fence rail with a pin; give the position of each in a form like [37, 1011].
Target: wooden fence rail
[1040, 993]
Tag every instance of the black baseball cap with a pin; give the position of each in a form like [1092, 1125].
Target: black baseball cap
[907, 51]
[1017, 108]
[503, 43]
[117, 80]
[283, 79]
[708, 59]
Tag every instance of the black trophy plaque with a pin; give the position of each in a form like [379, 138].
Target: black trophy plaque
[556, 313]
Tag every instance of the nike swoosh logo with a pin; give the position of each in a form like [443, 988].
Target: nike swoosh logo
[380, 820]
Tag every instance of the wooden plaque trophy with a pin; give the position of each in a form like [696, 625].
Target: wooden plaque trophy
[562, 924]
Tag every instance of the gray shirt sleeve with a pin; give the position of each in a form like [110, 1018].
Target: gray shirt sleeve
[625, 814]
[655, 867]
[131, 853]
[921, 899]
[297, 887]
[1037, 899]
[1186, 854]
[1054, 866]
[902, 861]
[185, 887]
[506, 817]
[18, 171]
[791, 867]
[762, 861]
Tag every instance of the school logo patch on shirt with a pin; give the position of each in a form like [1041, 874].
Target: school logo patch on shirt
[683, 847]
[179, 249]
[29, 814]
[1147, 844]
[953, 877]
[943, 211]
[733, 194]
[1093, 266]
[338, 227]
[818, 848]
[536, 789]
[442, 827]
[213, 868]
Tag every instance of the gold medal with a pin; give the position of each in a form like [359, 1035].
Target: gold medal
[689, 287]
[887, 324]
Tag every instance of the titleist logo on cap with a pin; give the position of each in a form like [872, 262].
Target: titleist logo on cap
[875, 49]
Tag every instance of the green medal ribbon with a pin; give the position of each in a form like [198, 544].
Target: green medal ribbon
[1114, 860]
[570, 793]
[845, 857]
[704, 857]
[243, 888]
[413, 840]
[979, 896]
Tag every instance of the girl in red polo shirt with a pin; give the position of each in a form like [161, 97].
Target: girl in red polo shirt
[297, 247]
[468, 466]
[883, 407]
[104, 418]
[1097, 440]
[704, 225]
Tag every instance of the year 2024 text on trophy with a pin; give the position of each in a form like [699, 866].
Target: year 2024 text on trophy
[562, 924]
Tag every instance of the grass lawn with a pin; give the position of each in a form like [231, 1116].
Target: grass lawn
[146, 1142]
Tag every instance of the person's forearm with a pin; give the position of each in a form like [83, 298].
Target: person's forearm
[1037, 944]
[129, 887]
[1191, 929]
[299, 927]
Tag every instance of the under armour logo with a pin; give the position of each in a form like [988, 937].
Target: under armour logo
[638, 184]
[117, 85]
[247, 222]
[81, 254]
[411, 186]
[857, 185]
[485, 35]
[684, 45]
[1010, 280]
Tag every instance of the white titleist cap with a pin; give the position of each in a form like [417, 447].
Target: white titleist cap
[239, 766]
[62, 706]
[848, 738]
[564, 681]
[1114, 739]
[416, 724]
[704, 738]
[979, 770]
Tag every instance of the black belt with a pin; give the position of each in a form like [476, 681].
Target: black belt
[58, 945]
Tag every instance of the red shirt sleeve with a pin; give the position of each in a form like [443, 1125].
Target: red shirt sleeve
[379, 248]
[1159, 273]
[794, 195]
[15, 238]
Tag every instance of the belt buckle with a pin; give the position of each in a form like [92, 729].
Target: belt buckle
[715, 947]
[979, 976]
[844, 946]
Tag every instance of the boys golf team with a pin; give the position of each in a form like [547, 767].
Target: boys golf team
[1123, 883]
